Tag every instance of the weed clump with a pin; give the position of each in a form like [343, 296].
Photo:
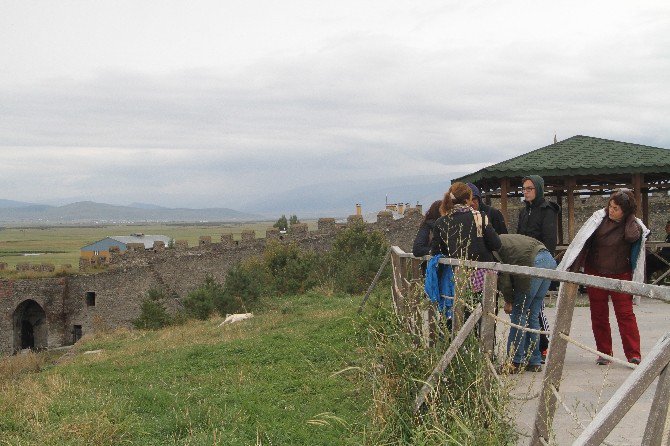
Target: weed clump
[462, 408]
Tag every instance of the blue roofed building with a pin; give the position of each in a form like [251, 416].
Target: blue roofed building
[99, 252]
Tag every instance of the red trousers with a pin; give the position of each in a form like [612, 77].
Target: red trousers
[623, 309]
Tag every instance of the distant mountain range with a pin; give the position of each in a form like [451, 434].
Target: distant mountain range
[91, 212]
[339, 199]
[334, 199]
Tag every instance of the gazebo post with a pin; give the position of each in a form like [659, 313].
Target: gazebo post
[645, 206]
[559, 200]
[504, 190]
[637, 191]
[571, 208]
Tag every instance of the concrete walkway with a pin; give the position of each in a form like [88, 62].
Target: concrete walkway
[586, 387]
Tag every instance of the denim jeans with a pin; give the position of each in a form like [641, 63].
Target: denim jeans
[525, 311]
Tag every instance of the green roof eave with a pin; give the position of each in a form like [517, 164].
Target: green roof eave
[579, 156]
[500, 174]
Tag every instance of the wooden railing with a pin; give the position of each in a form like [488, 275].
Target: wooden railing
[419, 318]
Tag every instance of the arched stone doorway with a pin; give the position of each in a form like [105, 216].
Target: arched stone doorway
[30, 326]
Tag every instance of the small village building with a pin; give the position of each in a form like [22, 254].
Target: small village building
[99, 252]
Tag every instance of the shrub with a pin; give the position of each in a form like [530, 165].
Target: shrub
[245, 282]
[200, 303]
[281, 223]
[153, 314]
[356, 256]
[290, 269]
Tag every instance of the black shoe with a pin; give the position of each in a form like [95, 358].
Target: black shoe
[533, 368]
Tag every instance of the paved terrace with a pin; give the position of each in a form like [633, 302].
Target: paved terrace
[586, 387]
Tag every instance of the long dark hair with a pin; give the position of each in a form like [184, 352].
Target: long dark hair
[433, 212]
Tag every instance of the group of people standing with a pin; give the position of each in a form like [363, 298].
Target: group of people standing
[610, 244]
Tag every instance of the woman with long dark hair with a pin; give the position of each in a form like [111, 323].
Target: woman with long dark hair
[611, 244]
[423, 236]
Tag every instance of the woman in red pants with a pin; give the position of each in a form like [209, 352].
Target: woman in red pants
[611, 253]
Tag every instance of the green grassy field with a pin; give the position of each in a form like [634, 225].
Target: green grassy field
[60, 245]
[270, 380]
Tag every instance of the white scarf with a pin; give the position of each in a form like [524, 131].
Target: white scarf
[587, 230]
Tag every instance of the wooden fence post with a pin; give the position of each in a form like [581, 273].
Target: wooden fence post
[658, 414]
[488, 326]
[488, 334]
[416, 269]
[447, 357]
[546, 408]
[629, 392]
[395, 287]
[374, 281]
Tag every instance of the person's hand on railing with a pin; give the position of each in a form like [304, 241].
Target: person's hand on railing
[508, 308]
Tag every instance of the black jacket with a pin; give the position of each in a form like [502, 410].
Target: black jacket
[538, 218]
[455, 235]
[495, 217]
[422, 240]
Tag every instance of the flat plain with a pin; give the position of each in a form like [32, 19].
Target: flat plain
[60, 245]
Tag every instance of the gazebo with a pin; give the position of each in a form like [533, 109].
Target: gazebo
[581, 165]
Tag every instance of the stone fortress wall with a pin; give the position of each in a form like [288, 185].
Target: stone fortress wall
[62, 309]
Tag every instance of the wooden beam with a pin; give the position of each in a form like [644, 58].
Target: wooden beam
[571, 209]
[504, 190]
[547, 406]
[488, 326]
[658, 414]
[447, 357]
[629, 392]
[637, 191]
[559, 226]
[645, 206]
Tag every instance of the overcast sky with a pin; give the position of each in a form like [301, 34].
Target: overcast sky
[213, 103]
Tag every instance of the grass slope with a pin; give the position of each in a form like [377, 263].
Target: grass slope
[268, 380]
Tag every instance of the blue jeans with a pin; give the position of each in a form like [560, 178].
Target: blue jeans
[525, 312]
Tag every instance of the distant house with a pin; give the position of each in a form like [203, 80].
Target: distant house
[99, 251]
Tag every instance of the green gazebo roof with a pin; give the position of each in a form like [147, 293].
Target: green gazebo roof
[579, 156]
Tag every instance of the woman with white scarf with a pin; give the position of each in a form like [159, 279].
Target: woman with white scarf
[611, 244]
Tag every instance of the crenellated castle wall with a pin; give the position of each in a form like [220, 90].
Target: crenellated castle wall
[89, 303]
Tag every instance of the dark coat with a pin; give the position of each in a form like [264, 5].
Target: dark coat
[455, 235]
[422, 240]
[495, 217]
[538, 218]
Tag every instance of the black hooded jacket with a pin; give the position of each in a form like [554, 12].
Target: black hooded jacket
[538, 218]
[495, 217]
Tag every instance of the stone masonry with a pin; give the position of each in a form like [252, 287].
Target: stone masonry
[56, 311]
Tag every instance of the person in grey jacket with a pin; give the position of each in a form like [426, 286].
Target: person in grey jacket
[524, 297]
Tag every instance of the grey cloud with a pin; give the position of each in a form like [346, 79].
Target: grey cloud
[362, 111]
